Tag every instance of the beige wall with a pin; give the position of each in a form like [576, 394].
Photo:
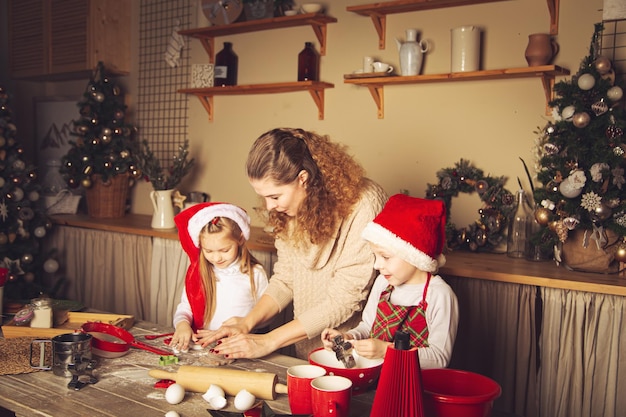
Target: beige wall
[426, 127]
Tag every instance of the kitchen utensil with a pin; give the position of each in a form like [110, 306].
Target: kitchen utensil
[156, 336]
[263, 385]
[110, 341]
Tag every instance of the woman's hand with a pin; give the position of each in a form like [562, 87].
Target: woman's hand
[371, 348]
[231, 327]
[245, 345]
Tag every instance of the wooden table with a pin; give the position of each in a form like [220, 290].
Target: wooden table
[124, 387]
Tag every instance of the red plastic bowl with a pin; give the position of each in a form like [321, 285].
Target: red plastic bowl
[363, 376]
[452, 393]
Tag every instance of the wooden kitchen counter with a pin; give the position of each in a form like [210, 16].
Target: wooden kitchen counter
[499, 267]
[493, 267]
[124, 387]
[139, 224]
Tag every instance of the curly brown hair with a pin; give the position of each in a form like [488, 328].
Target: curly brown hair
[334, 183]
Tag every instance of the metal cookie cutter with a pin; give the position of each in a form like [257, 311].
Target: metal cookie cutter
[82, 372]
[343, 350]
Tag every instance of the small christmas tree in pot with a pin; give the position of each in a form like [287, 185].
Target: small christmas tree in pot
[581, 165]
[102, 159]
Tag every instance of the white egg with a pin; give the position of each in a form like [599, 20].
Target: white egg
[172, 414]
[213, 391]
[244, 400]
[174, 394]
[217, 403]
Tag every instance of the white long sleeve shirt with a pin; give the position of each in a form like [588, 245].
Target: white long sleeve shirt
[442, 317]
[233, 295]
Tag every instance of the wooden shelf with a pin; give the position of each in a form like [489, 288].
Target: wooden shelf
[207, 35]
[315, 88]
[378, 11]
[376, 85]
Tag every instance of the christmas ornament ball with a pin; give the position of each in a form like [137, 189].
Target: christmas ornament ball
[542, 215]
[29, 277]
[586, 81]
[603, 65]
[615, 93]
[568, 112]
[40, 231]
[51, 266]
[581, 120]
[602, 212]
[620, 253]
[86, 183]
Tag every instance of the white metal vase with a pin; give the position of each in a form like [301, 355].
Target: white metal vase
[163, 216]
[411, 53]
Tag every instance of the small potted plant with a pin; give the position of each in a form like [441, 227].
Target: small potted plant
[163, 182]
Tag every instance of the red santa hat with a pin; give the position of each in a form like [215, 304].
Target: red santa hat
[413, 229]
[209, 211]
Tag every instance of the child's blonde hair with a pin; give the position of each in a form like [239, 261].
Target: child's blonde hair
[247, 262]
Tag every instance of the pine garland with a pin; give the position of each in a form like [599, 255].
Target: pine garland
[153, 172]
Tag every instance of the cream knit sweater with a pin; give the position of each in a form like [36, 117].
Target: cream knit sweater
[328, 283]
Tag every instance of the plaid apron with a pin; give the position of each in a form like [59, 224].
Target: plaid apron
[411, 319]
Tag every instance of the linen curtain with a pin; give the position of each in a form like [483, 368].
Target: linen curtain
[497, 337]
[583, 354]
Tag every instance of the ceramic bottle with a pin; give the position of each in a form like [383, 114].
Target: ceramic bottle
[411, 53]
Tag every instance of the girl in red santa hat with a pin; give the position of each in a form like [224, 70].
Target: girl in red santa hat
[223, 279]
[407, 238]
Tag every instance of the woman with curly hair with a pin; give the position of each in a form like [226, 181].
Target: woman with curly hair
[318, 202]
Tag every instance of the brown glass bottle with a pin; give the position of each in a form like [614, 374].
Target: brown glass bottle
[226, 62]
[308, 63]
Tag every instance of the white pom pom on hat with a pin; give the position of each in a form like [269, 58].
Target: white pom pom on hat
[413, 229]
[213, 210]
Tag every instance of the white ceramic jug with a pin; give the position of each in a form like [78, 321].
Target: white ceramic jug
[411, 53]
[163, 216]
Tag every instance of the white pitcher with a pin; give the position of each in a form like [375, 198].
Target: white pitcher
[411, 53]
[163, 216]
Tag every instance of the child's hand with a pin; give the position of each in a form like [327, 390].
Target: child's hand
[371, 348]
[182, 336]
[327, 337]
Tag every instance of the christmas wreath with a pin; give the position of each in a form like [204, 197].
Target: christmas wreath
[488, 232]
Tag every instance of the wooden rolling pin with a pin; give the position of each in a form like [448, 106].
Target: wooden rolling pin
[263, 385]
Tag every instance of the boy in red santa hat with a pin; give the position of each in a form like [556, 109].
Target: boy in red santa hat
[407, 238]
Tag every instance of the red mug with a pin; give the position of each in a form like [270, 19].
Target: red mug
[299, 379]
[330, 395]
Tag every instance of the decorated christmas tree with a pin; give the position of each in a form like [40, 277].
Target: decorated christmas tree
[23, 220]
[105, 142]
[582, 159]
